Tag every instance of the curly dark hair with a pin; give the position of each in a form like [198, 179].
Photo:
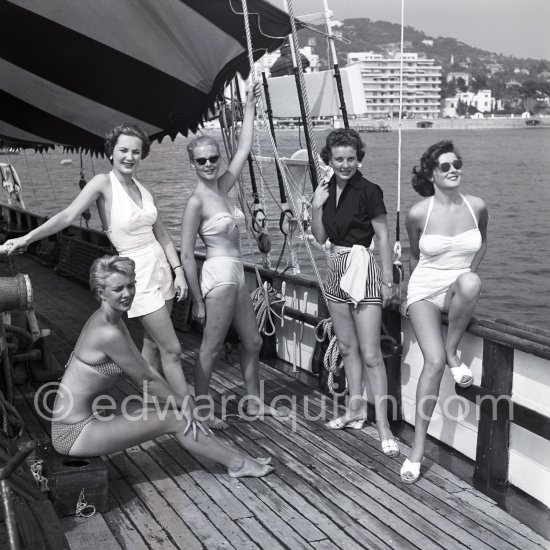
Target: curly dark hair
[127, 130]
[422, 179]
[341, 138]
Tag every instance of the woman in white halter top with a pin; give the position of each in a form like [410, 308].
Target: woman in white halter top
[448, 239]
[130, 219]
[221, 298]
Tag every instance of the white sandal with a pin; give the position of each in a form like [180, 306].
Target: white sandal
[461, 372]
[410, 471]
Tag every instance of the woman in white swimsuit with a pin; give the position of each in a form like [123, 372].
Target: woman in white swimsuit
[221, 298]
[448, 240]
[130, 219]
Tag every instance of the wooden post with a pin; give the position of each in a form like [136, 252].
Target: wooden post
[493, 435]
[392, 322]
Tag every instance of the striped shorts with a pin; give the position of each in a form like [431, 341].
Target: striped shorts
[336, 267]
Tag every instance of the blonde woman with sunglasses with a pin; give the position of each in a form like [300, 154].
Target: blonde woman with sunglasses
[448, 239]
[221, 297]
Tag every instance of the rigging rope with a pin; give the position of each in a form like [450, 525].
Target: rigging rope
[332, 360]
[50, 180]
[276, 152]
[32, 181]
[398, 271]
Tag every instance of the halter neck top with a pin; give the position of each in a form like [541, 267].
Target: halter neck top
[443, 258]
[446, 251]
[131, 227]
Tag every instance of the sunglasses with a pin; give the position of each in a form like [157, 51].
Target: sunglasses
[201, 161]
[446, 166]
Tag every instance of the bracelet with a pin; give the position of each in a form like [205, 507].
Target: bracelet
[176, 267]
[389, 285]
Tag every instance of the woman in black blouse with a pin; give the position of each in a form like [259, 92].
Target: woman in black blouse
[349, 210]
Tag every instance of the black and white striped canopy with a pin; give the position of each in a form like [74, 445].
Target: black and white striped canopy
[72, 69]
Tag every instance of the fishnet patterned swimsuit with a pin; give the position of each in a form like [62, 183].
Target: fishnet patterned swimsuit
[65, 435]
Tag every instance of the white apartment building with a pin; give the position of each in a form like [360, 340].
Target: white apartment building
[483, 101]
[381, 87]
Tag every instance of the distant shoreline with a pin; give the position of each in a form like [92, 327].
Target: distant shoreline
[457, 123]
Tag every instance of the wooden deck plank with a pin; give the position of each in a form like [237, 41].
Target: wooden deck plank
[258, 533]
[270, 521]
[123, 530]
[89, 533]
[138, 514]
[199, 524]
[377, 502]
[217, 515]
[506, 534]
[173, 525]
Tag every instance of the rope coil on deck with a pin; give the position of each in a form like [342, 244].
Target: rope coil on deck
[332, 359]
[263, 296]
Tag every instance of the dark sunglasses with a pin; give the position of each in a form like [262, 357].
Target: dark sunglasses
[446, 166]
[201, 161]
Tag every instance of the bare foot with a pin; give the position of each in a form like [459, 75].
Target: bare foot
[251, 468]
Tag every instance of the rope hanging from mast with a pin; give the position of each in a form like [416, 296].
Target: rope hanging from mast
[259, 218]
[398, 271]
[276, 152]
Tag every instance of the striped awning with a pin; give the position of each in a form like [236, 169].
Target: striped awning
[70, 70]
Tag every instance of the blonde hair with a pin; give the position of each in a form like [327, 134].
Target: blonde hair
[107, 265]
[201, 141]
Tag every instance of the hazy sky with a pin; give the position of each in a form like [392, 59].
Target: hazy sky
[511, 27]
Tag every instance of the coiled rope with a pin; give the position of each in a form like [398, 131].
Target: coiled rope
[263, 297]
[12, 423]
[332, 360]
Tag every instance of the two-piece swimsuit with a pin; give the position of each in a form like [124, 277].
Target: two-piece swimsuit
[65, 435]
[221, 270]
[443, 258]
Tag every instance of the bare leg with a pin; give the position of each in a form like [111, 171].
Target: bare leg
[150, 350]
[159, 328]
[461, 301]
[345, 330]
[426, 322]
[220, 305]
[244, 322]
[368, 319]
[120, 432]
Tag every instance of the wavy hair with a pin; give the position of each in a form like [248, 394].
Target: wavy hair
[343, 137]
[422, 178]
[133, 130]
[104, 267]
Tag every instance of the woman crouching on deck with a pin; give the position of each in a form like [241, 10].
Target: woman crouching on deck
[104, 351]
[221, 298]
[448, 239]
[349, 210]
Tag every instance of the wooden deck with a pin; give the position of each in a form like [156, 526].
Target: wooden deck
[330, 489]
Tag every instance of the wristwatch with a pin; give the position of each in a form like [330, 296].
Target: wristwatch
[389, 285]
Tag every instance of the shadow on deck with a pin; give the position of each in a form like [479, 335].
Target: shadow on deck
[330, 489]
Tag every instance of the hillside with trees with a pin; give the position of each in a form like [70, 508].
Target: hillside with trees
[518, 83]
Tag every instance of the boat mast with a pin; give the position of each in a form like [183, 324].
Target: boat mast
[337, 76]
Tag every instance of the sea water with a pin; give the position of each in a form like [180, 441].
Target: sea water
[508, 168]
